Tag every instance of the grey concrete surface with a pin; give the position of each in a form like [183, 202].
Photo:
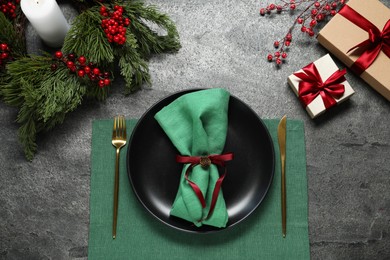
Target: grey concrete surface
[44, 204]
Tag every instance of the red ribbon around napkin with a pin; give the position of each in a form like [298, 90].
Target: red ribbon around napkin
[311, 85]
[377, 40]
[205, 161]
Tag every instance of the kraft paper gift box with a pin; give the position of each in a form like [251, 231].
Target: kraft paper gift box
[326, 67]
[341, 34]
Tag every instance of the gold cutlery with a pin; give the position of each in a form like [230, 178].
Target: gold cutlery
[118, 141]
[282, 148]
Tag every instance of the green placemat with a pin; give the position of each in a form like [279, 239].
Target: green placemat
[141, 236]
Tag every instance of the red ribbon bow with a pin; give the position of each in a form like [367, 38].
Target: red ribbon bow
[205, 161]
[377, 40]
[312, 85]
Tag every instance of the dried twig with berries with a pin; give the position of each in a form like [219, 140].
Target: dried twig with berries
[312, 12]
[105, 35]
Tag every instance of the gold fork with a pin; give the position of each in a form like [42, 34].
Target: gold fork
[118, 141]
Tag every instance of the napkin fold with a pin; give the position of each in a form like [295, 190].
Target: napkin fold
[196, 123]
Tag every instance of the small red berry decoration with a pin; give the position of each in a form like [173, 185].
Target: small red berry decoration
[115, 24]
[5, 55]
[78, 65]
[313, 12]
[8, 7]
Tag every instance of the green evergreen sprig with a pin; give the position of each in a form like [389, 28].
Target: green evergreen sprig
[87, 38]
[44, 96]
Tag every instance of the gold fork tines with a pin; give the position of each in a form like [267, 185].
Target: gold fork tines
[118, 141]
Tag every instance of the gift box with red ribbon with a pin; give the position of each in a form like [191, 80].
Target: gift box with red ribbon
[359, 35]
[320, 86]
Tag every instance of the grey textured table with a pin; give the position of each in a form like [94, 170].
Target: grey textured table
[44, 203]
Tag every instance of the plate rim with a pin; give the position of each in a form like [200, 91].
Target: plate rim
[181, 93]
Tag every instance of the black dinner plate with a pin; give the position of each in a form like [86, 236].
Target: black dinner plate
[155, 175]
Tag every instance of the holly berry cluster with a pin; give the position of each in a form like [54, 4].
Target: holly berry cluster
[115, 25]
[314, 12]
[8, 7]
[4, 54]
[80, 66]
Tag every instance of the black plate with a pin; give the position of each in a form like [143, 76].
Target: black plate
[154, 173]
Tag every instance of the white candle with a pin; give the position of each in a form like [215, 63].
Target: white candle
[47, 19]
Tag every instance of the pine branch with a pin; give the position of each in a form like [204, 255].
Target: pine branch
[148, 40]
[44, 97]
[86, 38]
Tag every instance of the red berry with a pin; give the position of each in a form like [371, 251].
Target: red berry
[103, 9]
[276, 44]
[3, 47]
[278, 61]
[327, 7]
[71, 56]
[303, 29]
[284, 55]
[317, 4]
[269, 57]
[81, 73]
[289, 37]
[300, 20]
[82, 60]
[271, 7]
[96, 71]
[314, 12]
[279, 8]
[53, 67]
[69, 64]
[87, 69]
[58, 54]
[333, 5]
[313, 23]
[310, 32]
[277, 54]
[4, 55]
[287, 43]
[262, 12]
[333, 13]
[320, 17]
[101, 83]
[107, 82]
[292, 6]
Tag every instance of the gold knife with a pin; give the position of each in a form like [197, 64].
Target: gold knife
[282, 149]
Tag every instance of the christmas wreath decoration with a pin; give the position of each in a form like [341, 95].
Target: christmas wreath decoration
[104, 35]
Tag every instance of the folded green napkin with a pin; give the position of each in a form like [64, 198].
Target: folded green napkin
[141, 236]
[196, 123]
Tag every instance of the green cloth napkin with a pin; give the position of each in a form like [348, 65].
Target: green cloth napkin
[196, 123]
[141, 236]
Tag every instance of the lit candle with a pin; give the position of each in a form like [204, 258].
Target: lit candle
[47, 19]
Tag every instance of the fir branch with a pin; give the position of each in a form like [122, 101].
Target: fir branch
[148, 40]
[133, 67]
[35, 69]
[86, 38]
[44, 96]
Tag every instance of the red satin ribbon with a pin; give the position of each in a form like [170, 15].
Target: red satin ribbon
[377, 40]
[218, 159]
[311, 86]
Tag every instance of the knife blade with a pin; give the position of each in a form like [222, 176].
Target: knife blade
[282, 149]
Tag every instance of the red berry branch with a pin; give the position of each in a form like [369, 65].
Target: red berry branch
[8, 7]
[314, 12]
[82, 68]
[4, 55]
[115, 25]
